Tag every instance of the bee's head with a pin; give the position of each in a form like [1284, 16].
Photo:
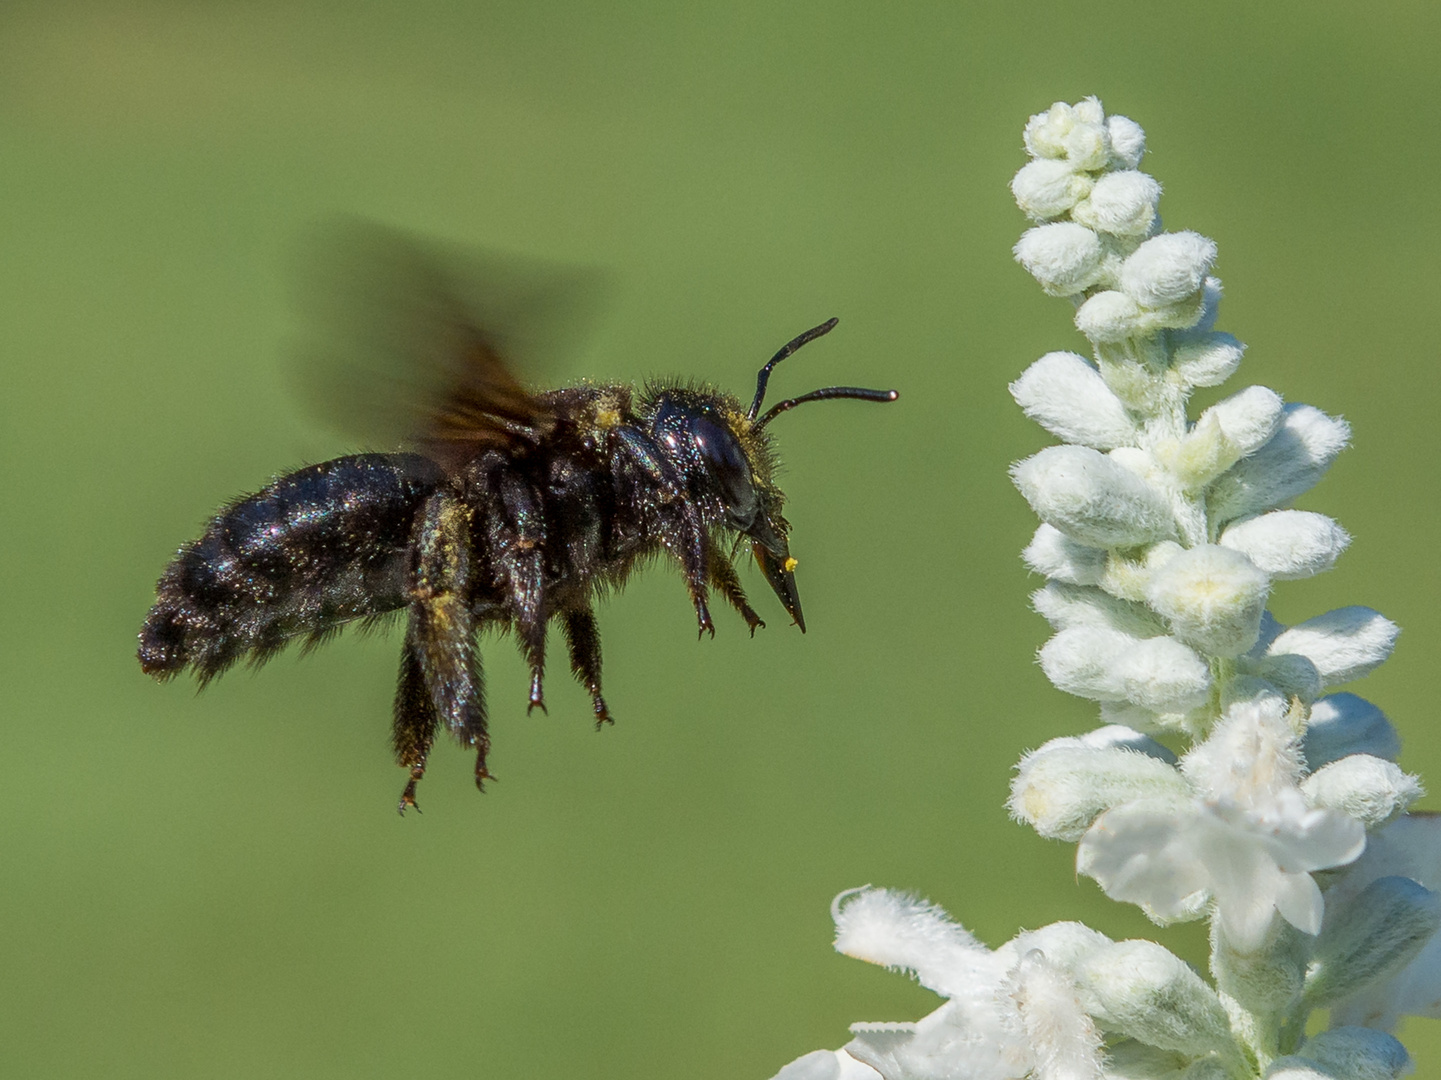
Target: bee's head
[724, 455]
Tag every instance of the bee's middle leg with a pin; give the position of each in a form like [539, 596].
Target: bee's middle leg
[527, 612]
[584, 640]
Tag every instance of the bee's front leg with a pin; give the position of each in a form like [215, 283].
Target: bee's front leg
[684, 534]
[723, 577]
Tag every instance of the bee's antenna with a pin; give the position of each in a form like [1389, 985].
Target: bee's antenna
[856, 392]
[791, 346]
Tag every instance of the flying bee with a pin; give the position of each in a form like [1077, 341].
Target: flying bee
[507, 508]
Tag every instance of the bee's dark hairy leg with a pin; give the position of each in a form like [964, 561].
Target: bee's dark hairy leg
[520, 537]
[413, 733]
[583, 638]
[442, 625]
[685, 535]
[723, 577]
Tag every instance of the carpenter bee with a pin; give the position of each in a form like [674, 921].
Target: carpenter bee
[508, 508]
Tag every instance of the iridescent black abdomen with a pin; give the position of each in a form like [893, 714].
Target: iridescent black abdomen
[316, 548]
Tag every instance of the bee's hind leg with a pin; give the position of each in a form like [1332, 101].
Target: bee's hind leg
[413, 733]
[583, 637]
[441, 634]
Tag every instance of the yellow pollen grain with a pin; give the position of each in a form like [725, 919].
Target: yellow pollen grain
[790, 565]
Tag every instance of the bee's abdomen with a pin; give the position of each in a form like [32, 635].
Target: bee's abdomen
[315, 549]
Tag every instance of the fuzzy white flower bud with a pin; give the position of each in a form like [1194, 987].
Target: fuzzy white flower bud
[1088, 143]
[1064, 944]
[1344, 644]
[1288, 674]
[1139, 989]
[1373, 935]
[1288, 544]
[1120, 203]
[1167, 269]
[1268, 978]
[1128, 141]
[1064, 257]
[1046, 132]
[1113, 737]
[1342, 724]
[1357, 1053]
[1054, 554]
[1225, 433]
[1157, 673]
[1295, 459]
[1213, 598]
[1078, 605]
[1207, 359]
[1370, 789]
[1061, 791]
[1067, 396]
[1130, 577]
[1113, 316]
[1048, 188]
[1091, 498]
[1110, 316]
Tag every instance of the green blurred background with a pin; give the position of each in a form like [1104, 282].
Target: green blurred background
[219, 886]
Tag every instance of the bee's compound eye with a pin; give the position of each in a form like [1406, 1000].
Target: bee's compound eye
[722, 454]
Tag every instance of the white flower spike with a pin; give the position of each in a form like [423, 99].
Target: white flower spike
[1284, 820]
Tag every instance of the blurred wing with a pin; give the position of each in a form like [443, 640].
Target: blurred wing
[406, 342]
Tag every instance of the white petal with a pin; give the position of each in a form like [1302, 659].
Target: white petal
[827, 1065]
[899, 930]
[1288, 544]
[1298, 899]
[1091, 498]
[1142, 853]
[1067, 396]
[1344, 644]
